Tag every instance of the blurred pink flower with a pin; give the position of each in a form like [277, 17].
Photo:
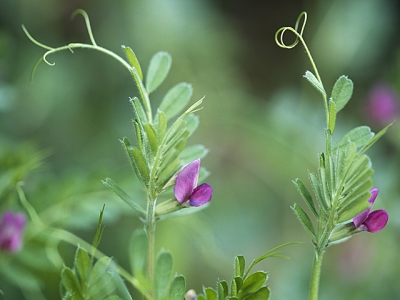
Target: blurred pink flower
[371, 221]
[11, 229]
[186, 189]
[382, 105]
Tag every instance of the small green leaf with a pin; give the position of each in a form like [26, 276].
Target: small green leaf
[354, 208]
[138, 252]
[83, 264]
[133, 61]
[240, 264]
[139, 111]
[176, 99]
[192, 122]
[71, 283]
[317, 188]
[210, 294]
[304, 192]
[178, 288]
[162, 274]
[137, 161]
[99, 269]
[262, 294]
[151, 137]
[161, 125]
[108, 182]
[342, 91]
[314, 82]
[238, 284]
[375, 139]
[222, 290]
[104, 285]
[193, 152]
[253, 283]
[359, 136]
[304, 220]
[332, 116]
[158, 69]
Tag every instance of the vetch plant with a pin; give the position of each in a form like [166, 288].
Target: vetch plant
[169, 172]
[342, 195]
[338, 203]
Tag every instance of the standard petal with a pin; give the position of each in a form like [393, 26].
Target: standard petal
[201, 195]
[374, 193]
[359, 219]
[186, 181]
[376, 220]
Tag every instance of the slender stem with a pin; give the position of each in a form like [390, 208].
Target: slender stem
[315, 275]
[151, 230]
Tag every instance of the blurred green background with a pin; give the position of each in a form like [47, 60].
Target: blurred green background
[261, 121]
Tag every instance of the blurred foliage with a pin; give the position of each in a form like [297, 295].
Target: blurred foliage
[262, 128]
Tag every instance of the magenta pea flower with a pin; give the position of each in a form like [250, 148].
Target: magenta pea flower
[11, 229]
[186, 189]
[371, 221]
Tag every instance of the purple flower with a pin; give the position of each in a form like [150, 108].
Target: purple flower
[371, 221]
[11, 229]
[186, 189]
[382, 105]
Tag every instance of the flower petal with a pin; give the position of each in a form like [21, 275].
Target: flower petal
[359, 219]
[186, 181]
[11, 230]
[201, 195]
[374, 193]
[376, 220]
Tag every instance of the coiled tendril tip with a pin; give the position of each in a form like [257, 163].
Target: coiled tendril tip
[301, 19]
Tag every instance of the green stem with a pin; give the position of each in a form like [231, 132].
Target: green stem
[150, 230]
[315, 275]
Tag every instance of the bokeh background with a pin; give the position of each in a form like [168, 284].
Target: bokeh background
[261, 121]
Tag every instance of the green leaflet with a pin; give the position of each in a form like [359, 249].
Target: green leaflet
[253, 283]
[139, 111]
[162, 274]
[354, 207]
[108, 182]
[137, 161]
[190, 153]
[158, 70]
[133, 61]
[262, 294]
[375, 139]
[304, 192]
[222, 290]
[304, 220]
[70, 283]
[176, 99]
[359, 136]
[332, 116]
[315, 82]
[160, 125]
[178, 288]
[138, 253]
[341, 92]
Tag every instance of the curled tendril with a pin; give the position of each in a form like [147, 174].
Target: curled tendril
[301, 19]
[93, 45]
[301, 23]
[87, 22]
